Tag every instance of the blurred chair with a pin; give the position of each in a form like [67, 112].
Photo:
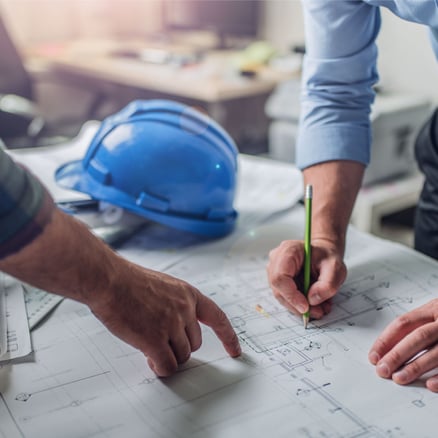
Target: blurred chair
[22, 123]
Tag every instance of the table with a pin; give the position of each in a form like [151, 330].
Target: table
[289, 382]
[213, 83]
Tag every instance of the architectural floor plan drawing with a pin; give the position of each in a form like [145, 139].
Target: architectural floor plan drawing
[289, 382]
[80, 381]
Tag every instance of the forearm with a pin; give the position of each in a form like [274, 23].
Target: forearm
[335, 187]
[51, 261]
[154, 312]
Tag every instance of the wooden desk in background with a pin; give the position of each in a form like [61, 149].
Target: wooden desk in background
[213, 83]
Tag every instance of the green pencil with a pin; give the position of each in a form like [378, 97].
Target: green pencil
[307, 246]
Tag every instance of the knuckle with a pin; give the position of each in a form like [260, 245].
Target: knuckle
[272, 253]
[180, 306]
[401, 322]
[414, 369]
[330, 292]
[277, 281]
[381, 345]
[394, 359]
[424, 336]
[164, 315]
[184, 306]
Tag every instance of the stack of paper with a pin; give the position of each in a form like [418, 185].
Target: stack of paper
[21, 308]
[14, 328]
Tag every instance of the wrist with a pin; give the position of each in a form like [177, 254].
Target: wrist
[330, 235]
[111, 275]
[332, 243]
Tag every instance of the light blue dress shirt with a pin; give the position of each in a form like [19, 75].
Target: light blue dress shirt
[339, 72]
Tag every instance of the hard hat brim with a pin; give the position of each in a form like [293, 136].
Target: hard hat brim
[72, 176]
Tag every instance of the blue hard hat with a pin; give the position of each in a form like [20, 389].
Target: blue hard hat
[164, 161]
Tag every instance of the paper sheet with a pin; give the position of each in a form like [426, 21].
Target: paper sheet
[39, 304]
[3, 325]
[44, 161]
[265, 189]
[289, 382]
[18, 338]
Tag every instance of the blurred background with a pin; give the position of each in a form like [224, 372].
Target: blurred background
[237, 60]
[406, 61]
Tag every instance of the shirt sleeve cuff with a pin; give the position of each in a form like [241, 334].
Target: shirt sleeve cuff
[329, 143]
[31, 230]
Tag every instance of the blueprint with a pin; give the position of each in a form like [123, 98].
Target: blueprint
[81, 381]
[289, 382]
[13, 320]
[39, 303]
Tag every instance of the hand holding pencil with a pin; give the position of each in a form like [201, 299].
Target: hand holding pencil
[319, 262]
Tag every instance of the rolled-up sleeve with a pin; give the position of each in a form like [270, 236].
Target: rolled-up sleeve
[25, 206]
[339, 72]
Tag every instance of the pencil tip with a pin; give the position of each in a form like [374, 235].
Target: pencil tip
[305, 321]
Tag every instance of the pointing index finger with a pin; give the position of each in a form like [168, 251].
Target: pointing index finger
[210, 314]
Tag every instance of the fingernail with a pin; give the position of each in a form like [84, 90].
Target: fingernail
[301, 308]
[373, 357]
[383, 370]
[400, 376]
[315, 299]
